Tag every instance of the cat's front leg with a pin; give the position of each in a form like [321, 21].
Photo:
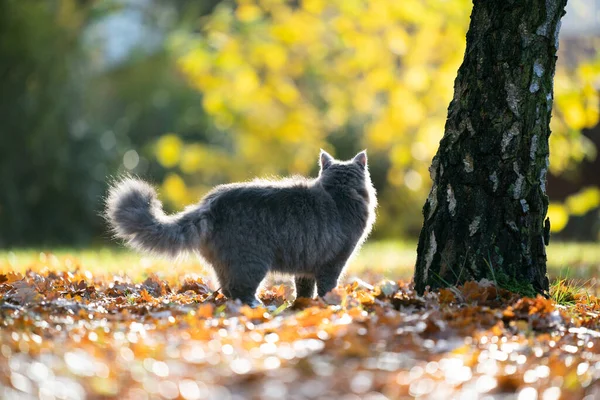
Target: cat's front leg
[327, 279]
[328, 276]
[305, 286]
[240, 280]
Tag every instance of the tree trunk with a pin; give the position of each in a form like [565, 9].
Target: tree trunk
[484, 217]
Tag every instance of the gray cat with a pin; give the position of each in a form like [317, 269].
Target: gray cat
[308, 228]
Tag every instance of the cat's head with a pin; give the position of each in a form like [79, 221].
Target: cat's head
[352, 174]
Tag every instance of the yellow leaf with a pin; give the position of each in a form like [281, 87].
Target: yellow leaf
[191, 158]
[313, 6]
[175, 190]
[248, 13]
[575, 115]
[168, 149]
[581, 203]
[558, 216]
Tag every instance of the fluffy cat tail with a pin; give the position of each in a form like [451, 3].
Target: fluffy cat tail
[135, 215]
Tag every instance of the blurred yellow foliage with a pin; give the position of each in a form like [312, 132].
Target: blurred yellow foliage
[293, 76]
[168, 150]
[577, 205]
[584, 201]
[576, 106]
[559, 216]
[175, 190]
[281, 79]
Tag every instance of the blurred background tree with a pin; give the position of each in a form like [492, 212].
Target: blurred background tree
[87, 87]
[191, 94]
[45, 166]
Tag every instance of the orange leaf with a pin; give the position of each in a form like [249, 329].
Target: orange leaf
[447, 296]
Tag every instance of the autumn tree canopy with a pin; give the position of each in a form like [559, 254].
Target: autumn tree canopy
[226, 90]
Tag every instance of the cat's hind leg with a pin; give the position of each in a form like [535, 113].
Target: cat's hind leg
[305, 286]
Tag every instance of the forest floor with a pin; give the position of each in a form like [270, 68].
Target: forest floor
[106, 324]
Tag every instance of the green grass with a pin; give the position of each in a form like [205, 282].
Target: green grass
[397, 259]
[109, 261]
[564, 291]
[569, 291]
[390, 259]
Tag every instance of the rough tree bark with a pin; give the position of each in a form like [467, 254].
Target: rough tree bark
[485, 213]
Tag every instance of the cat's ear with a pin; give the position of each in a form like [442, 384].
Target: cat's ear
[325, 160]
[361, 158]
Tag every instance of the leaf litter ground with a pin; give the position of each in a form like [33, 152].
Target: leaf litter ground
[69, 334]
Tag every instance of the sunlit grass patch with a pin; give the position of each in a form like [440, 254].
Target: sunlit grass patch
[573, 260]
[392, 259]
[376, 260]
[569, 291]
[102, 261]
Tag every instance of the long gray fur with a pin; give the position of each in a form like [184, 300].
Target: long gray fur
[308, 228]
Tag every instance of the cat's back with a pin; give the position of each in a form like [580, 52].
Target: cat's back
[267, 194]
